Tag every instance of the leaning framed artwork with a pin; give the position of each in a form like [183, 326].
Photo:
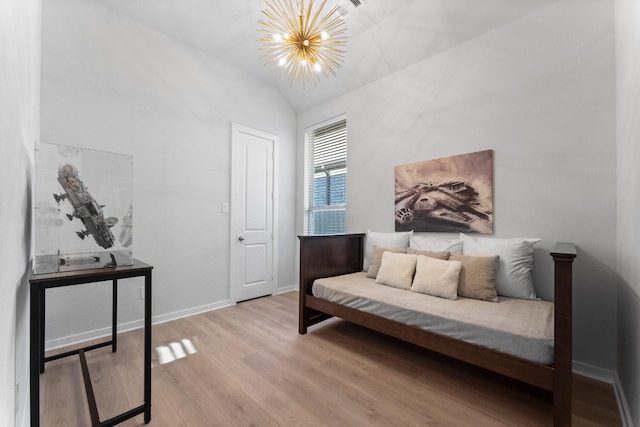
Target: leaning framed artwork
[451, 194]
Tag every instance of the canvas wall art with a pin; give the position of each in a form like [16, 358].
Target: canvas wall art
[452, 194]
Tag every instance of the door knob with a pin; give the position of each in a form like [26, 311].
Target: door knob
[241, 239]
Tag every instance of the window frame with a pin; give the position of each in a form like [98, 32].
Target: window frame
[311, 169]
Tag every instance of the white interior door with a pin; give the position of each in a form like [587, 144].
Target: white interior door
[253, 213]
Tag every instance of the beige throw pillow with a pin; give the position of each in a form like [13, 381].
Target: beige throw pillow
[376, 259]
[477, 277]
[437, 277]
[432, 254]
[397, 270]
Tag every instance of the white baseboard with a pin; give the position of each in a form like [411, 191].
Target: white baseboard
[623, 406]
[191, 311]
[129, 326]
[56, 343]
[609, 377]
[286, 289]
[593, 372]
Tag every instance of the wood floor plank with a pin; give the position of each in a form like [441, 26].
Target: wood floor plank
[253, 368]
[62, 394]
[224, 360]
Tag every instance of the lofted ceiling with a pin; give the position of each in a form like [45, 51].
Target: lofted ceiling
[384, 36]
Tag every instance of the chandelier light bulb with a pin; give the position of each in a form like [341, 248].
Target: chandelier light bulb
[294, 33]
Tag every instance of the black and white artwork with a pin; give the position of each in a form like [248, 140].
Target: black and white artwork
[83, 208]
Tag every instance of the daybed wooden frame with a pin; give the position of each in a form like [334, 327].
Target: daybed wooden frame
[326, 256]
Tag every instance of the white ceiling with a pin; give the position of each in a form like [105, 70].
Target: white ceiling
[384, 36]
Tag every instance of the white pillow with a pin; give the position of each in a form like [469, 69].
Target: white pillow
[424, 242]
[383, 240]
[397, 270]
[437, 277]
[513, 278]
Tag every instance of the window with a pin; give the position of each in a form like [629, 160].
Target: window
[326, 178]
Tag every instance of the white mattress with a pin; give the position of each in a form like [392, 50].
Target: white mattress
[522, 328]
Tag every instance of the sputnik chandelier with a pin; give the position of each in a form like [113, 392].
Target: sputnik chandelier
[302, 41]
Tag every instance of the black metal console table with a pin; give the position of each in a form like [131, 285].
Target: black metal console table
[39, 284]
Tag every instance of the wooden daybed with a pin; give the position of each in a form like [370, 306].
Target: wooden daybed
[328, 256]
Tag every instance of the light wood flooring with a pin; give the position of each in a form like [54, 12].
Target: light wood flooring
[252, 368]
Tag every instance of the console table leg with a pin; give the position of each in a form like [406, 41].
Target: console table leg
[147, 347]
[114, 317]
[41, 304]
[35, 358]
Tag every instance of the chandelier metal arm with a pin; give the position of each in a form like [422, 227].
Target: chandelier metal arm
[303, 42]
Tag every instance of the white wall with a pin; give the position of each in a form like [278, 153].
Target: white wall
[628, 146]
[540, 92]
[112, 84]
[19, 128]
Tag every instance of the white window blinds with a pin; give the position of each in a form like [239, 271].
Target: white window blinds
[326, 178]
